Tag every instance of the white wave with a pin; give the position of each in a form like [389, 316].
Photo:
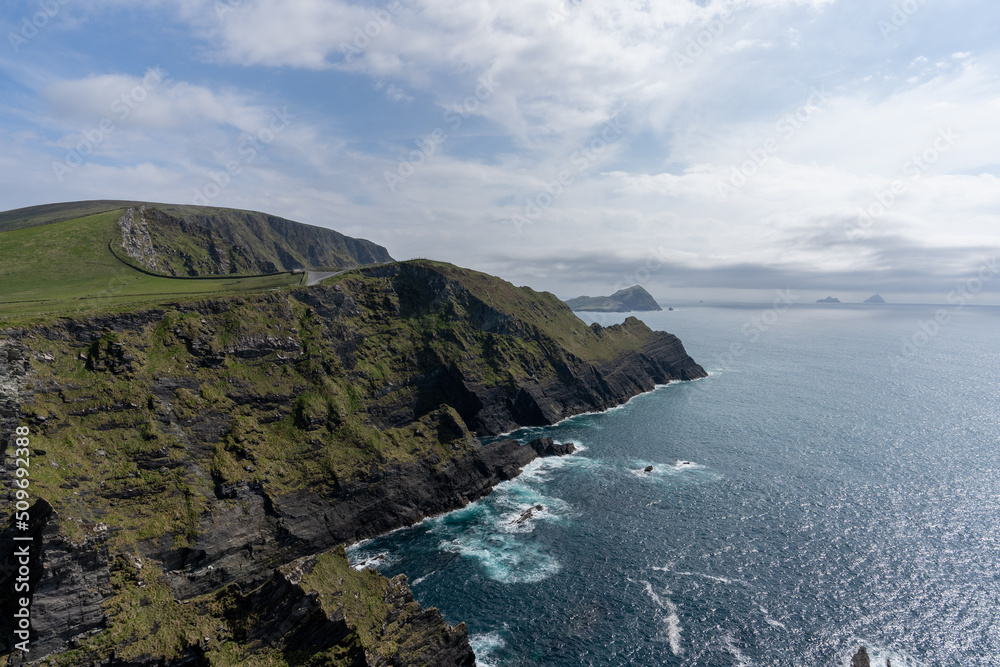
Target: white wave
[503, 557]
[420, 580]
[366, 559]
[722, 580]
[729, 642]
[672, 621]
[680, 470]
[540, 469]
[622, 405]
[484, 646]
[774, 623]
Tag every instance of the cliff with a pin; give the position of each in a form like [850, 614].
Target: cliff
[200, 241]
[198, 460]
[630, 299]
[182, 240]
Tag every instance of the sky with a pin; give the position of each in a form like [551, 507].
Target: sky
[709, 149]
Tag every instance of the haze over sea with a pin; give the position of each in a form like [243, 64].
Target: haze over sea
[826, 487]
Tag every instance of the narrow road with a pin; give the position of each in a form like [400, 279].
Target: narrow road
[316, 277]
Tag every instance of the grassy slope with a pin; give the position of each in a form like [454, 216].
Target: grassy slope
[45, 214]
[67, 266]
[547, 313]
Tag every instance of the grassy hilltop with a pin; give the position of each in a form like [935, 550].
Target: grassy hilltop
[66, 257]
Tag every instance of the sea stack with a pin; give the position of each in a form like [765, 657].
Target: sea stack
[875, 298]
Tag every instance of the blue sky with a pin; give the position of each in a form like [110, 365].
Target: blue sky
[711, 149]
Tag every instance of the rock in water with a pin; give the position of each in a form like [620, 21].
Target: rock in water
[875, 298]
[630, 299]
[649, 469]
[547, 447]
[861, 658]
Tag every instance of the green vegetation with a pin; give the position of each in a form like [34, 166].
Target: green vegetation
[67, 266]
[48, 213]
[146, 620]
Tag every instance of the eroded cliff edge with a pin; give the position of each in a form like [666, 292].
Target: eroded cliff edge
[195, 454]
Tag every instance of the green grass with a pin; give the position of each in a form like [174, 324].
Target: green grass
[68, 266]
[48, 213]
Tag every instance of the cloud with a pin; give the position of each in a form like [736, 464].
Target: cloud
[151, 101]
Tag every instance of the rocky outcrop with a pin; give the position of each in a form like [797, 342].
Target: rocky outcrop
[136, 241]
[14, 368]
[68, 581]
[547, 447]
[296, 608]
[199, 240]
[239, 539]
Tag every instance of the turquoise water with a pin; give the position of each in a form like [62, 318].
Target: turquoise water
[833, 483]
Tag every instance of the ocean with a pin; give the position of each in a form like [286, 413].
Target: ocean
[833, 483]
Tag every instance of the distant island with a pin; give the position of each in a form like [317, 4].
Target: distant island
[875, 298]
[829, 299]
[630, 299]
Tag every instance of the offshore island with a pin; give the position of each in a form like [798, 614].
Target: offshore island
[218, 401]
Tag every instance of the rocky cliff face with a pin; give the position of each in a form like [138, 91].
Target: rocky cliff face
[199, 241]
[205, 458]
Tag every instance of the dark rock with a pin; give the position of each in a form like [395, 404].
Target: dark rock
[547, 447]
[829, 299]
[648, 469]
[861, 658]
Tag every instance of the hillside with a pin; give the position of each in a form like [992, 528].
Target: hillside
[630, 299]
[197, 463]
[105, 259]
